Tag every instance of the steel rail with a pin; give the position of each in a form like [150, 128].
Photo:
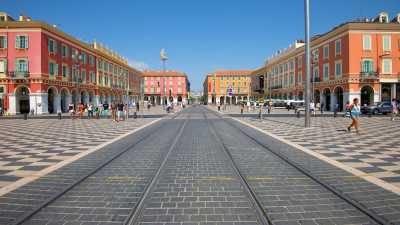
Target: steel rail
[369, 213]
[264, 218]
[27, 215]
[136, 211]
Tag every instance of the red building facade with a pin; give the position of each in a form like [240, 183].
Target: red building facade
[161, 87]
[44, 69]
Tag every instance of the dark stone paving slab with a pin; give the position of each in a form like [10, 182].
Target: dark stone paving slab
[383, 202]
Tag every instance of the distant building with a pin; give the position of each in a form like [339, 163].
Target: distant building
[161, 87]
[45, 69]
[358, 59]
[227, 86]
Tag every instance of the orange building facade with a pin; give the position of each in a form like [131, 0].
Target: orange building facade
[217, 86]
[354, 60]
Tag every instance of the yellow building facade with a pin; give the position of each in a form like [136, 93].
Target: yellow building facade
[227, 86]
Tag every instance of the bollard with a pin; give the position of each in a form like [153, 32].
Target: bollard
[59, 115]
[219, 108]
[134, 115]
[241, 111]
[25, 116]
[298, 114]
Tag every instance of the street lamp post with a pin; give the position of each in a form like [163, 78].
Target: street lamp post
[307, 53]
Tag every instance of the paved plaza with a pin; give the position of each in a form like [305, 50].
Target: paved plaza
[194, 167]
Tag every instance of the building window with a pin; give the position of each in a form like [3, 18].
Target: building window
[338, 69]
[291, 65]
[91, 60]
[92, 77]
[315, 77]
[326, 51]
[64, 71]
[3, 42]
[338, 47]
[52, 46]
[315, 55]
[387, 66]
[300, 77]
[53, 68]
[387, 46]
[21, 65]
[74, 54]
[3, 65]
[367, 66]
[21, 42]
[64, 51]
[367, 45]
[326, 71]
[83, 75]
[84, 58]
[300, 62]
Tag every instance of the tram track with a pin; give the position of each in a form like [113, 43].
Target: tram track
[363, 209]
[257, 203]
[31, 213]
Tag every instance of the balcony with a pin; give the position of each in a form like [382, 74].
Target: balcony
[369, 74]
[316, 79]
[18, 74]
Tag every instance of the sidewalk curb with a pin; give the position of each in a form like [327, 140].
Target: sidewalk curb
[379, 182]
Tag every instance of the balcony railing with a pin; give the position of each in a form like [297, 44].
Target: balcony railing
[18, 74]
[316, 79]
[369, 74]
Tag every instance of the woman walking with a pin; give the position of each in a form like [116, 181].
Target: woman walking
[354, 115]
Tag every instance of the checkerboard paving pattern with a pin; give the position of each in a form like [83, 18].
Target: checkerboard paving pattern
[29, 146]
[375, 151]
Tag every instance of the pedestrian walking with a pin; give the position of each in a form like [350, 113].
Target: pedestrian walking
[126, 111]
[81, 110]
[120, 110]
[322, 108]
[312, 108]
[317, 107]
[335, 109]
[395, 109]
[113, 110]
[97, 112]
[137, 106]
[90, 111]
[354, 115]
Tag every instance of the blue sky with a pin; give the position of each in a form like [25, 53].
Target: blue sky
[199, 36]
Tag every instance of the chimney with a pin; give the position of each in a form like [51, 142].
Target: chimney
[396, 19]
[383, 17]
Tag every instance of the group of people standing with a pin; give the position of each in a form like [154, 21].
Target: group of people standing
[118, 111]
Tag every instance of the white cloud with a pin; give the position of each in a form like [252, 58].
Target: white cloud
[138, 64]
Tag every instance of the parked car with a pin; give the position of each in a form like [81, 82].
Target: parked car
[378, 108]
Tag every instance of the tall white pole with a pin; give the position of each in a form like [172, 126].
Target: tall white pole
[307, 53]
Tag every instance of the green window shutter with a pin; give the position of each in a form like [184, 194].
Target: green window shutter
[17, 40]
[26, 42]
[56, 69]
[5, 42]
[49, 45]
